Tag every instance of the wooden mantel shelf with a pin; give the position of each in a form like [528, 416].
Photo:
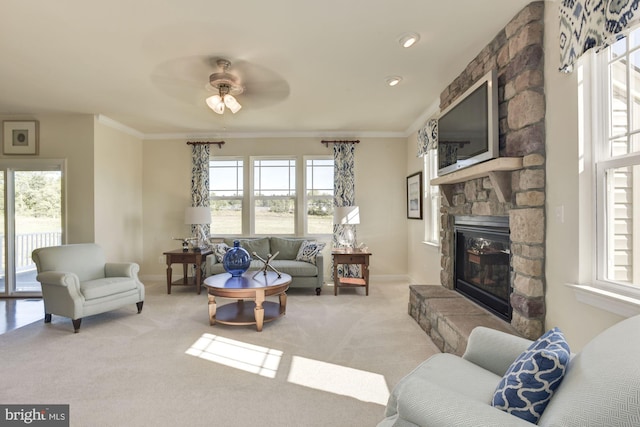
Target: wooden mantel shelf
[498, 170]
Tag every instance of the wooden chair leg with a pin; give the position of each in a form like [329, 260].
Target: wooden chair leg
[47, 318]
[76, 325]
[139, 305]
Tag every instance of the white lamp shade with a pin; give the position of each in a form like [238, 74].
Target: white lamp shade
[346, 215]
[232, 103]
[197, 215]
[216, 104]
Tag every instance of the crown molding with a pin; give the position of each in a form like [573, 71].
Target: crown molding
[101, 118]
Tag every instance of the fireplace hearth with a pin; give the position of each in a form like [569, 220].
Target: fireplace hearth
[482, 269]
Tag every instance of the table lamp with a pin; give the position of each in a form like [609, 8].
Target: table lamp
[198, 215]
[347, 217]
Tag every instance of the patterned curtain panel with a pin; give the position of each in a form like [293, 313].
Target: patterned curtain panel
[344, 194]
[428, 137]
[588, 24]
[200, 180]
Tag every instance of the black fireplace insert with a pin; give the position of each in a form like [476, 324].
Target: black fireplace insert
[482, 269]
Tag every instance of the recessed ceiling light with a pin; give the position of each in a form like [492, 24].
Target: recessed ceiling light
[393, 80]
[409, 39]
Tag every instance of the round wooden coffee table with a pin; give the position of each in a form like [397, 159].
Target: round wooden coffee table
[250, 286]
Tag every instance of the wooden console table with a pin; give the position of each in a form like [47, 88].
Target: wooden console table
[350, 256]
[185, 258]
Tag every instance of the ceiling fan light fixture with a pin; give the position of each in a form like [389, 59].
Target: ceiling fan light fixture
[393, 80]
[216, 104]
[227, 85]
[232, 103]
[409, 39]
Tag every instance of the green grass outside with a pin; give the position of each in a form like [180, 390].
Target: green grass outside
[230, 222]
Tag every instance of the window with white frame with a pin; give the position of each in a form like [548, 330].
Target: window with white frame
[226, 183]
[274, 195]
[431, 198]
[267, 202]
[616, 106]
[319, 195]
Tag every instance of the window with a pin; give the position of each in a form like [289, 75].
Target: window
[274, 196]
[616, 153]
[266, 201]
[319, 195]
[226, 193]
[432, 199]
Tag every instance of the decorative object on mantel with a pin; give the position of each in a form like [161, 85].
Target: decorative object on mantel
[20, 137]
[267, 265]
[237, 260]
[586, 25]
[414, 196]
[198, 215]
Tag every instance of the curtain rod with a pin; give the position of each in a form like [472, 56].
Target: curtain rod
[326, 143]
[219, 143]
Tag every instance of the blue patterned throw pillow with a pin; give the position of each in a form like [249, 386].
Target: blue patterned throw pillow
[527, 386]
[309, 250]
[219, 250]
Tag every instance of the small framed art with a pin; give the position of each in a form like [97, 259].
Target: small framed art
[414, 196]
[19, 137]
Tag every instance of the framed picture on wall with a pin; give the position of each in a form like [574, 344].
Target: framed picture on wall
[19, 137]
[414, 196]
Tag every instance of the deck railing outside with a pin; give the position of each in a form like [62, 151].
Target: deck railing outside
[25, 244]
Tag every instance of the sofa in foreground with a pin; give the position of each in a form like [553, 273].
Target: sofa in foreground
[305, 267]
[600, 386]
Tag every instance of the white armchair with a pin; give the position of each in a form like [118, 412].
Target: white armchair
[78, 282]
[601, 386]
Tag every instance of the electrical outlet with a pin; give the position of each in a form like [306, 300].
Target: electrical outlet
[161, 259]
[560, 214]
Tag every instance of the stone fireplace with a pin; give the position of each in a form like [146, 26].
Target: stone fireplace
[512, 187]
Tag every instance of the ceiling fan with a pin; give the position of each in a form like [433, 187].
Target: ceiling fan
[228, 86]
[185, 79]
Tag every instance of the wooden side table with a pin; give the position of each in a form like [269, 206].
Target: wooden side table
[185, 258]
[350, 256]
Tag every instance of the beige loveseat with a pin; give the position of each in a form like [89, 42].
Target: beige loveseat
[303, 274]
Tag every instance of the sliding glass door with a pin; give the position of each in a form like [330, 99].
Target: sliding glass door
[31, 216]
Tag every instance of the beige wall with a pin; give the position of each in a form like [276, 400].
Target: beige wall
[70, 137]
[380, 165]
[118, 194]
[579, 321]
[424, 259]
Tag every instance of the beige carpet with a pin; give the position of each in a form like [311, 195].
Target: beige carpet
[330, 361]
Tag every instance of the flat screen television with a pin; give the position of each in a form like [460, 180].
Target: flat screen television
[468, 128]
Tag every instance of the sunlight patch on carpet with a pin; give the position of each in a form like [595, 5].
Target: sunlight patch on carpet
[237, 354]
[361, 385]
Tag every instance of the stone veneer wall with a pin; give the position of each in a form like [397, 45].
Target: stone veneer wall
[517, 55]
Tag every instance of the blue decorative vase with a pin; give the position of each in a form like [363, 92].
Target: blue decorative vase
[237, 260]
